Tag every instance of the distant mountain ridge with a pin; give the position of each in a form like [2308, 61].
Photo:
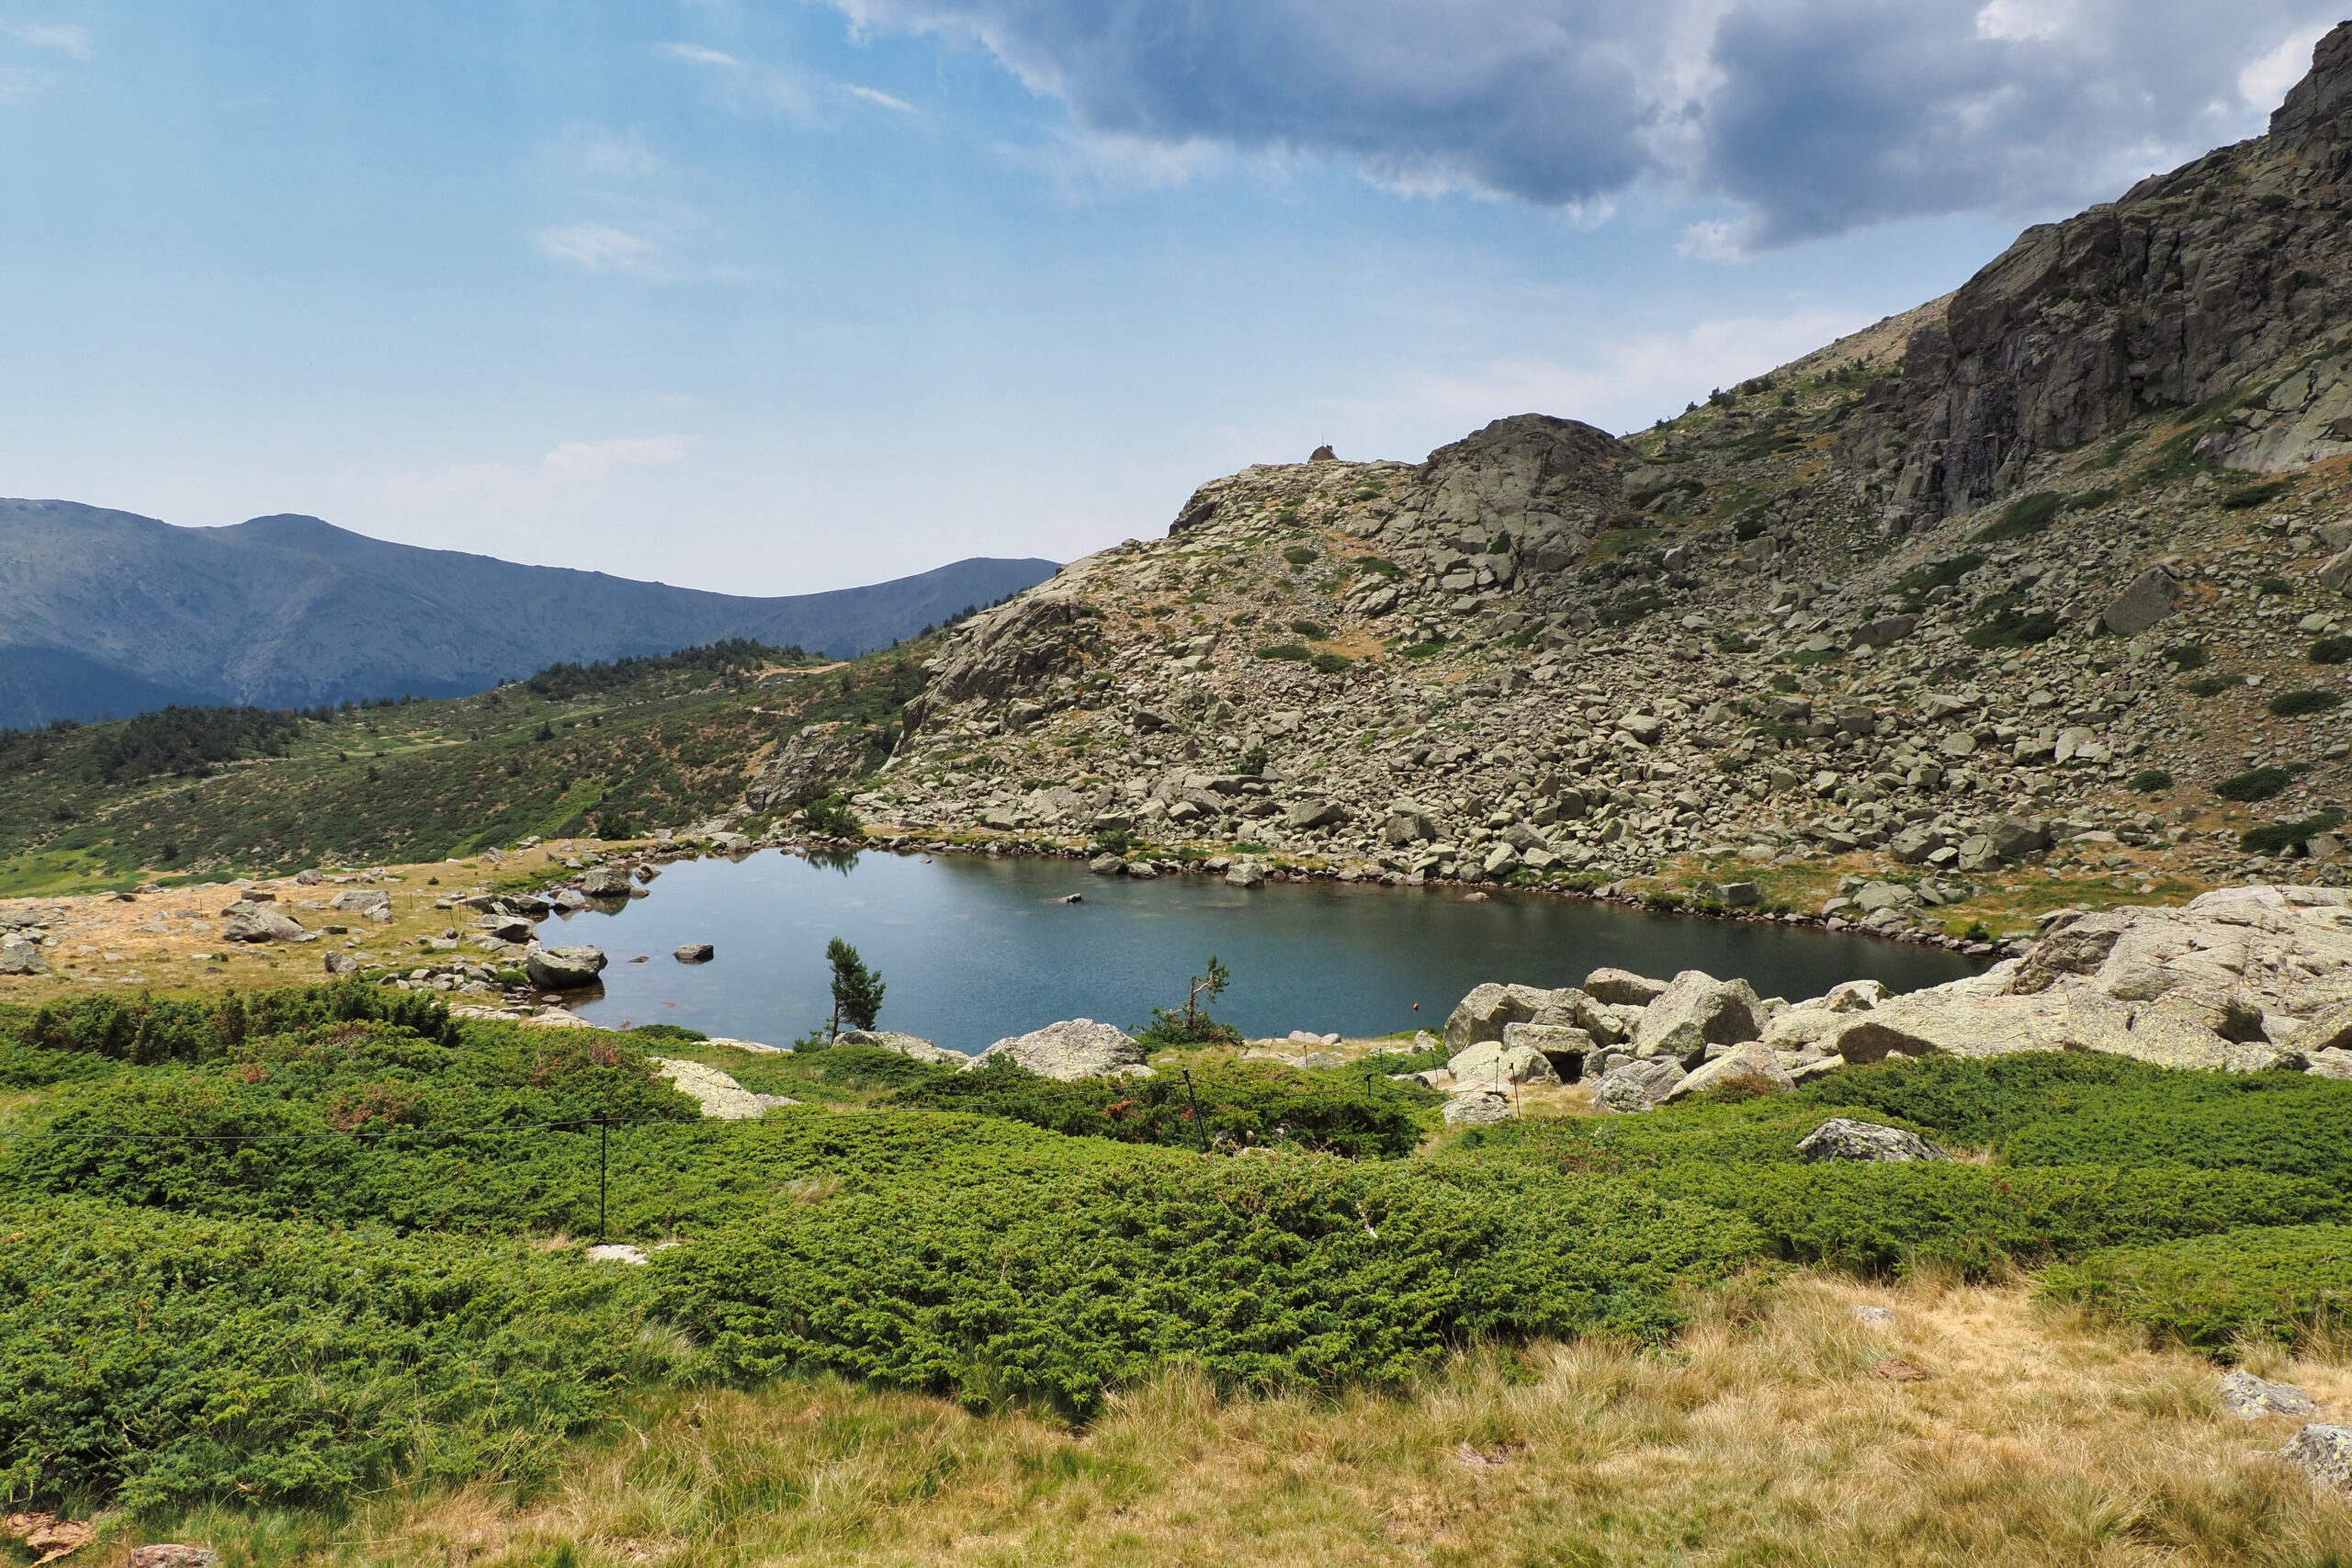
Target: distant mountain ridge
[106, 612]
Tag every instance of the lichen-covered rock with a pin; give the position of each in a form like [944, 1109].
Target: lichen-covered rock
[1843, 1138]
[1488, 1009]
[260, 922]
[1639, 1085]
[1621, 987]
[1494, 1062]
[720, 1097]
[913, 1045]
[2251, 1399]
[1074, 1048]
[2323, 1452]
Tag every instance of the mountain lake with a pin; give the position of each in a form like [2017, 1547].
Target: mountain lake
[974, 949]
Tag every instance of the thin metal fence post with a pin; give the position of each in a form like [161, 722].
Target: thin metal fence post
[1199, 1127]
[603, 1134]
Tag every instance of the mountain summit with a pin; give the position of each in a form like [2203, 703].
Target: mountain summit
[108, 612]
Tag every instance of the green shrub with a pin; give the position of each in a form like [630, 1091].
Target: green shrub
[2186, 656]
[2256, 783]
[2283, 1124]
[2149, 781]
[1248, 1104]
[154, 1360]
[353, 1122]
[1879, 1217]
[1331, 663]
[1313, 631]
[2288, 1283]
[1284, 1273]
[144, 1028]
[830, 817]
[2255, 495]
[2282, 838]
[2311, 700]
[2021, 519]
[2214, 685]
[2009, 625]
[1301, 555]
[2332, 650]
[1297, 652]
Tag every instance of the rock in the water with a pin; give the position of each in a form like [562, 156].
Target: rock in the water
[1623, 987]
[2249, 1398]
[722, 1098]
[1841, 1137]
[1750, 1069]
[260, 922]
[1074, 1048]
[563, 968]
[604, 882]
[1695, 1012]
[695, 952]
[1477, 1106]
[2323, 1452]
[1244, 874]
[913, 1045]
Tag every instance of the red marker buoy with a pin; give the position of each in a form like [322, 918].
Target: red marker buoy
[1417, 1006]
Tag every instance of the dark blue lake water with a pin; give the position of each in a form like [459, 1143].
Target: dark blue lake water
[973, 950]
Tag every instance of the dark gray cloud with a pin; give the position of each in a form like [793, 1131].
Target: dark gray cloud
[1811, 117]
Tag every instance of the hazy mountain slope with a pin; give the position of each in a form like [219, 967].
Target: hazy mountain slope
[105, 611]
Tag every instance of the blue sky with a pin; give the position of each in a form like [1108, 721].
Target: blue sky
[781, 295]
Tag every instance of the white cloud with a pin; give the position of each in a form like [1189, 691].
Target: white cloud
[1621, 385]
[564, 477]
[65, 37]
[695, 54]
[871, 96]
[587, 462]
[597, 247]
[612, 154]
[2265, 81]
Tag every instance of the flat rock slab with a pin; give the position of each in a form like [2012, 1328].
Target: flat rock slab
[721, 1097]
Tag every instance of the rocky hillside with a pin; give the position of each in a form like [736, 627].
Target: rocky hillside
[2046, 576]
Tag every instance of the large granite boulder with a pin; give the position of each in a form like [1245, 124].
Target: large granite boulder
[1621, 987]
[604, 882]
[1695, 1012]
[1747, 1069]
[1074, 1048]
[563, 968]
[260, 922]
[1487, 1009]
[367, 903]
[1494, 1062]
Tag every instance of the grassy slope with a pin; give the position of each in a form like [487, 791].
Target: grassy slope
[563, 753]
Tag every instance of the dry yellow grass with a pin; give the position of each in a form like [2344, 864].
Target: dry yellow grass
[1764, 1436]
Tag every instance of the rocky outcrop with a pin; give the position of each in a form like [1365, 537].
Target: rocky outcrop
[2230, 269]
[1075, 1048]
[816, 757]
[1042, 634]
[251, 922]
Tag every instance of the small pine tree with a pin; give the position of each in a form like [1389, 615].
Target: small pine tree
[857, 990]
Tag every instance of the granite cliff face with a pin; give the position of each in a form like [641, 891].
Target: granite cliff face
[2045, 579]
[2226, 278]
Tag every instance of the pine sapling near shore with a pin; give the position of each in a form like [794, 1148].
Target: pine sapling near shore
[857, 990]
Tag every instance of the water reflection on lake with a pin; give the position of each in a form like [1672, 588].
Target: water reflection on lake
[975, 949]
